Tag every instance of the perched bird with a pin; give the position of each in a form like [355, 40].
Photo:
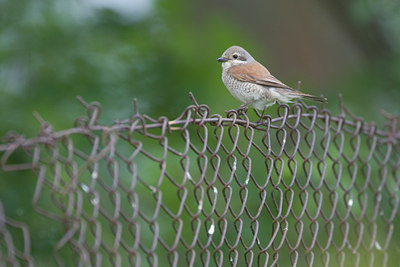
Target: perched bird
[252, 84]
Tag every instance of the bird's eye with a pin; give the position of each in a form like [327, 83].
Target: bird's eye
[235, 56]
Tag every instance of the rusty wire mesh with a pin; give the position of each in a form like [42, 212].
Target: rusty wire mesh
[303, 188]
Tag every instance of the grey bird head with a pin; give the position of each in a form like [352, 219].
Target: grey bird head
[235, 55]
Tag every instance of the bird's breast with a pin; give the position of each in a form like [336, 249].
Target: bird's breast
[243, 91]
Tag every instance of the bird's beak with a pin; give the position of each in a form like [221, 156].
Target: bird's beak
[222, 59]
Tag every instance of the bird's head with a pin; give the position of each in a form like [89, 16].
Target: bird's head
[235, 55]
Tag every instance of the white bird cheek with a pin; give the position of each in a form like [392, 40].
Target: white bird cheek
[230, 63]
[226, 65]
[236, 62]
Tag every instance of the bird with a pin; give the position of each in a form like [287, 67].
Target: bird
[252, 84]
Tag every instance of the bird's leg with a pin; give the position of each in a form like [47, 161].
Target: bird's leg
[250, 102]
[260, 119]
[244, 106]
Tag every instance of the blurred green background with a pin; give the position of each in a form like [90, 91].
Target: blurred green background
[158, 51]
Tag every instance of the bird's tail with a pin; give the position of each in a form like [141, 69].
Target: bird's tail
[314, 98]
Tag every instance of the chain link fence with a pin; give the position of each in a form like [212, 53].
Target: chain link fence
[300, 188]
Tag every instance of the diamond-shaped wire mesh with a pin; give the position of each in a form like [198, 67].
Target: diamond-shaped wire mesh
[304, 188]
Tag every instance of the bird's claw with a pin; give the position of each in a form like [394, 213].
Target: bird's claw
[259, 121]
[242, 108]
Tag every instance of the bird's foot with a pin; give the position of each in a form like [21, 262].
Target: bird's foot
[259, 121]
[260, 116]
[242, 108]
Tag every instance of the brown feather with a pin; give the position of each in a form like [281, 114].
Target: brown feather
[254, 72]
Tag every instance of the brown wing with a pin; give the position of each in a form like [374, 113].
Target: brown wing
[254, 72]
